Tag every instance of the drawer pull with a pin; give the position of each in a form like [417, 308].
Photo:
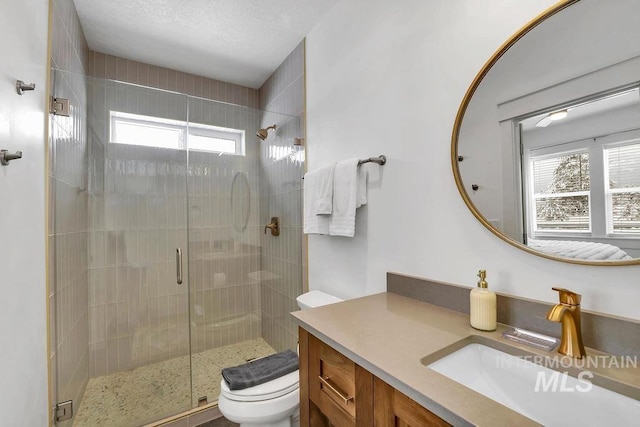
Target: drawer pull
[325, 381]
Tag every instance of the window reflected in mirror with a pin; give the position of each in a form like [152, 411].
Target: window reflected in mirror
[558, 199]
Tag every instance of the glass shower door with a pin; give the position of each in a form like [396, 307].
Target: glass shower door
[224, 241]
[122, 317]
[68, 240]
[227, 240]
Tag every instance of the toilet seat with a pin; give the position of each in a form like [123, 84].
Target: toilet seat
[269, 390]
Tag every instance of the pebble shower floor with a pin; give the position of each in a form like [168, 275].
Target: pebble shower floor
[144, 394]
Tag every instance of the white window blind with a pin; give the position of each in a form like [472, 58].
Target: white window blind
[623, 196]
[561, 192]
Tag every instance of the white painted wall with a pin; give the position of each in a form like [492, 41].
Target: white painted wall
[23, 357]
[387, 78]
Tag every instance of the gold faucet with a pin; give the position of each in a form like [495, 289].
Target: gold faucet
[568, 313]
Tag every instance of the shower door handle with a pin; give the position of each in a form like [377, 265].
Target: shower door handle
[179, 266]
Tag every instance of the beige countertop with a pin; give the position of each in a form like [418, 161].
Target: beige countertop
[389, 334]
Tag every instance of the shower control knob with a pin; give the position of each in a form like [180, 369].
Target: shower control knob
[274, 226]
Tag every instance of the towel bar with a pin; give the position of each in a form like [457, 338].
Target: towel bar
[381, 160]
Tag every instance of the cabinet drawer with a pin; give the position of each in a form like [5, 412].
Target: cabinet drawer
[332, 385]
[395, 409]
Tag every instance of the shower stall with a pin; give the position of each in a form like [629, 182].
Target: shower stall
[162, 270]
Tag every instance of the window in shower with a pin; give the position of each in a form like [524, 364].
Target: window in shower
[216, 139]
[148, 131]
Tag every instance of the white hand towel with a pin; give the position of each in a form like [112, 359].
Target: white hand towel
[313, 181]
[324, 194]
[362, 187]
[345, 198]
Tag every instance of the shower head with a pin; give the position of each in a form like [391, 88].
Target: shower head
[264, 133]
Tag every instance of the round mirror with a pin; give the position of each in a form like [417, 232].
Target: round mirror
[546, 144]
[240, 201]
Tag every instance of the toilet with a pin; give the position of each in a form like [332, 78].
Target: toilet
[275, 403]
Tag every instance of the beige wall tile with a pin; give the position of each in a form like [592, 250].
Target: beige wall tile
[121, 69]
[111, 67]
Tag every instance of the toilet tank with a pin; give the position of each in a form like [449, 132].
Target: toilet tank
[315, 299]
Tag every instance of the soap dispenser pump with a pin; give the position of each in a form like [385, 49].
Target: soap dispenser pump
[482, 305]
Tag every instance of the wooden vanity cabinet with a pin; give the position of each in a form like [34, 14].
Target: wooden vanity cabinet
[393, 408]
[334, 391]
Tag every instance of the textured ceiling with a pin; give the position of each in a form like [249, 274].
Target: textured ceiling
[237, 41]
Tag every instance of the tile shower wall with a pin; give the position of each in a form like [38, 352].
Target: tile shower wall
[225, 299]
[137, 312]
[224, 250]
[232, 268]
[125, 70]
[282, 168]
[68, 223]
[138, 216]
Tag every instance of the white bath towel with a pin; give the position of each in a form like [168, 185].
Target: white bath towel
[346, 198]
[314, 183]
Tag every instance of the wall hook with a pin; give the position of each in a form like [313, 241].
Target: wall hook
[21, 87]
[5, 157]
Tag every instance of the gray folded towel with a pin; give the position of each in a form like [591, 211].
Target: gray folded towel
[260, 370]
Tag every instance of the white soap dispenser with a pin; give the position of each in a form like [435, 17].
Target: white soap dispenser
[482, 305]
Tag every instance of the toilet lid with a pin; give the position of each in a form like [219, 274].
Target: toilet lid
[269, 390]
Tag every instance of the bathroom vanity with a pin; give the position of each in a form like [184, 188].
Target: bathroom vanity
[336, 391]
[364, 362]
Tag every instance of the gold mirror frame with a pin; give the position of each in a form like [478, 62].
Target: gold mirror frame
[456, 134]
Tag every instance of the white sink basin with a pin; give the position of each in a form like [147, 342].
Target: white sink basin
[560, 400]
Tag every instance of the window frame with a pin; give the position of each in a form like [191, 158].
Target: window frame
[601, 221]
[217, 132]
[632, 138]
[185, 129]
[116, 117]
[532, 197]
